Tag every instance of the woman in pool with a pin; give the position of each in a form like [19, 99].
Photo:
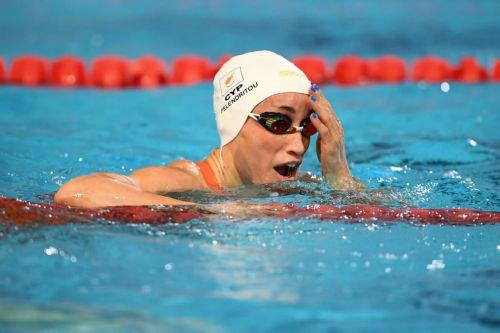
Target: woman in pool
[266, 111]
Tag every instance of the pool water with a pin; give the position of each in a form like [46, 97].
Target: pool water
[421, 145]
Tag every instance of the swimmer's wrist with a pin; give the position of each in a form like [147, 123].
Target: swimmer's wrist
[336, 170]
[340, 178]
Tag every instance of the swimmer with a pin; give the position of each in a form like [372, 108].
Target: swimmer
[266, 111]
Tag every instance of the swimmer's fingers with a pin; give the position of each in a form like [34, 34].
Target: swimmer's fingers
[320, 127]
[319, 107]
[322, 107]
[326, 116]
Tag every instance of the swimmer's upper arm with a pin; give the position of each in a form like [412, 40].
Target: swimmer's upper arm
[177, 176]
[108, 189]
[140, 188]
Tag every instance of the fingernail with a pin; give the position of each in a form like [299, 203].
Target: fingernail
[314, 87]
[312, 98]
[315, 116]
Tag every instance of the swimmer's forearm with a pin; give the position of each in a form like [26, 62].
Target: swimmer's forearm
[106, 190]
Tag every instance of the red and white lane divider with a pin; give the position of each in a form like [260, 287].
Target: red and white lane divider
[115, 72]
[18, 212]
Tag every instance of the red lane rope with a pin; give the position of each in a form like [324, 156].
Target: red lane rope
[17, 212]
[115, 72]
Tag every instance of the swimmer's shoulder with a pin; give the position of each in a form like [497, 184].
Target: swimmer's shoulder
[185, 165]
[179, 175]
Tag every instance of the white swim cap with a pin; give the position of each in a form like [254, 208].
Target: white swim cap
[246, 80]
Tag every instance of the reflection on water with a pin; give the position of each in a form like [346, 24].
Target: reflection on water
[18, 316]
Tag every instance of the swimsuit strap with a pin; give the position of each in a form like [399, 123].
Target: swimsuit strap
[208, 175]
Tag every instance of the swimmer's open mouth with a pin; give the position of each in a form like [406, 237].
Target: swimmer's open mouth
[288, 170]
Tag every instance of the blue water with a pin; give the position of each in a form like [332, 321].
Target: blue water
[421, 145]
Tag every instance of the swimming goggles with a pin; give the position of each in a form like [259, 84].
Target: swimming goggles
[279, 123]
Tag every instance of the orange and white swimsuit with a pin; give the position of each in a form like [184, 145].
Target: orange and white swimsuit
[209, 176]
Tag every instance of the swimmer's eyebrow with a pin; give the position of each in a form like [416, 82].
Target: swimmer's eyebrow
[286, 108]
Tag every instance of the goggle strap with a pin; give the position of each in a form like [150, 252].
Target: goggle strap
[254, 116]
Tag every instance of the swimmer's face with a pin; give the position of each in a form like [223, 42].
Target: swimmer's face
[262, 157]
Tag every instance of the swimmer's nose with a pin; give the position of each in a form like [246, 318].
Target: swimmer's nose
[296, 144]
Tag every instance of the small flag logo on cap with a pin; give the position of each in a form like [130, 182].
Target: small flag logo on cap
[231, 79]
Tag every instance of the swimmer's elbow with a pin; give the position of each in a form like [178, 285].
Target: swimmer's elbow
[78, 191]
[67, 194]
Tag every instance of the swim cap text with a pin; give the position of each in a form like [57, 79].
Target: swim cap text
[235, 94]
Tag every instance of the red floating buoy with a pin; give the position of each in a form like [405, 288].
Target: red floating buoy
[495, 75]
[109, 72]
[67, 71]
[2, 71]
[315, 68]
[28, 70]
[191, 69]
[389, 69]
[432, 69]
[470, 71]
[349, 70]
[148, 72]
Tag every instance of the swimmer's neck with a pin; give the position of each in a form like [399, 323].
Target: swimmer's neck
[224, 169]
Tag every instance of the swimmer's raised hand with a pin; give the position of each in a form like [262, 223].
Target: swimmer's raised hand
[330, 146]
